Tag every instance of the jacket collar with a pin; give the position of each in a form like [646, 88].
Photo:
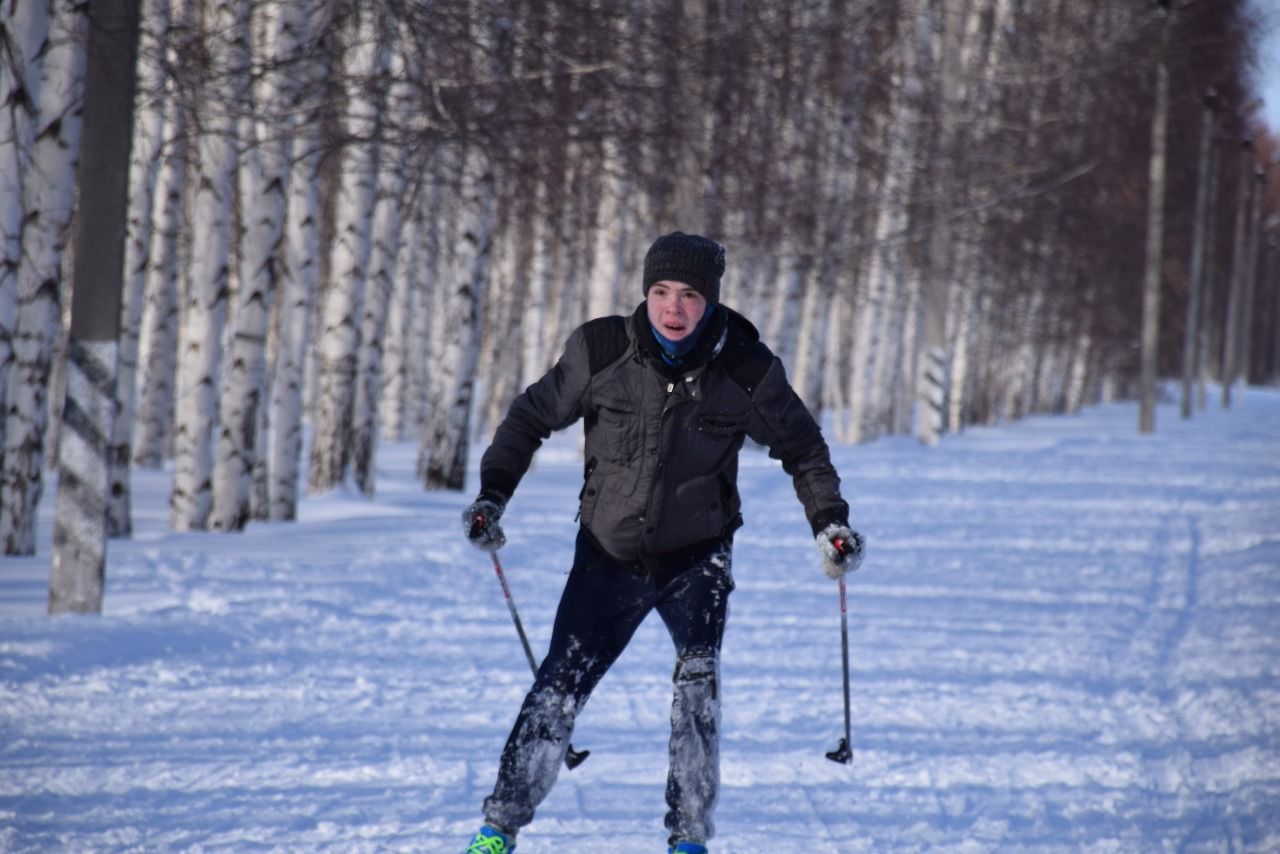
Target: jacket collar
[707, 348]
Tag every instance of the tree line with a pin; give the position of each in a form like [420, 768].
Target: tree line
[378, 220]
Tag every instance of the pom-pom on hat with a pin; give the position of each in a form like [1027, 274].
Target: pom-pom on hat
[689, 258]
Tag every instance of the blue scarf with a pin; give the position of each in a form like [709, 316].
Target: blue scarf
[673, 352]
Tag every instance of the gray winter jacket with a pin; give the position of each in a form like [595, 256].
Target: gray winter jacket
[662, 443]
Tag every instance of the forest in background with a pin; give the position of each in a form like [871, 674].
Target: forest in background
[380, 219]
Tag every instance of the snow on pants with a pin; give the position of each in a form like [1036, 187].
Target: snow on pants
[602, 605]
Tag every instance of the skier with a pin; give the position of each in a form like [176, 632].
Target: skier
[667, 397]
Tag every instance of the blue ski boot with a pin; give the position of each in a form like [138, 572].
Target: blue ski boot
[687, 848]
[490, 840]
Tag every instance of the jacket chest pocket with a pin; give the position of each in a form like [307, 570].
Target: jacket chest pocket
[718, 429]
[620, 432]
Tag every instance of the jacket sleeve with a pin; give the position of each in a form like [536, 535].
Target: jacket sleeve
[551, 403]
[780, 421]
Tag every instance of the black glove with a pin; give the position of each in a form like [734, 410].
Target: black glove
[841, 548]
[480, 522]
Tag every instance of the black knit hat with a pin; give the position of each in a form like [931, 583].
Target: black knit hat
[689, 258]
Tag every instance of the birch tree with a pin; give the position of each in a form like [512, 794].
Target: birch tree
[23, 30]
[447, 439]
[383, 273]
[80, 520]
[145, 158]
[404, 325]
[1155, 230]
[931, 345]
[349, 260]
[48, 195]
[300, 273]
[611, 237]
[1199, 237]
[164, 273]
[205, 307]
[1239, 263]
[264, 187]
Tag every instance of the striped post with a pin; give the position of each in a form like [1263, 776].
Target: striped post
[80, 517]
[932, 396]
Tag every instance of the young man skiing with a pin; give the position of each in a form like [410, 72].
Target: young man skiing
[667, 397]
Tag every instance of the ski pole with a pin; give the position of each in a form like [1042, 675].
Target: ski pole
[843, 752]
[572, 758]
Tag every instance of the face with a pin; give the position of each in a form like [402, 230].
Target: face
[675, 309]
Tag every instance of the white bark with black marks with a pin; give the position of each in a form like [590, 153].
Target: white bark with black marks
[48, 197]
[404, 324]
[158, 335]
[25, 29]
[89, 408]
[300, 275]
[349, 261]
[373, 326]
[264, 183]
[447, 439]
[205, 307]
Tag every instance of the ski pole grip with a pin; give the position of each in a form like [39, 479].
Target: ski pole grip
[477, 525]
[842, 545]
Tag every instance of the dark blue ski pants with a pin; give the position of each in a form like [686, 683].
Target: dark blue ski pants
[602, 605]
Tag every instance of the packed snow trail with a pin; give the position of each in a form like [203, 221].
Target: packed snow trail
[1065, 636]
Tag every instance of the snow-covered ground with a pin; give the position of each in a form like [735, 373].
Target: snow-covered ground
[1066, 636]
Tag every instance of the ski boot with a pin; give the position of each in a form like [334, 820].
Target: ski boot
[687, 848]
[490, 840]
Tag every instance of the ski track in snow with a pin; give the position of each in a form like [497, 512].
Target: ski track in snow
[1065, 637]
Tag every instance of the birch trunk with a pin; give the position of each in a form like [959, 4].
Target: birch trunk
[815, 310]
[438, 340]
[931, 344]
[205, 305]
[566, 289]
[264, 187]
[836, 365]
[158, 335]
[349, 262]
[1195, 276]
[500, 360]
[447, 442]
[872, 356]
[1244, 359]
[144, 166]
[1231, 333]
[423, 318]
[25, 31]
[80, 520]
[533, 323]
[402, 328]
[1155, 234]
[1078, 375]
[299, 272]
[48, 195]
[610, 238]
[888, 270]
[373, 324]
[1206, 350]
[785, 304]
[963, 344]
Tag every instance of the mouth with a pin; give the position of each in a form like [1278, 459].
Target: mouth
[673, 328]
